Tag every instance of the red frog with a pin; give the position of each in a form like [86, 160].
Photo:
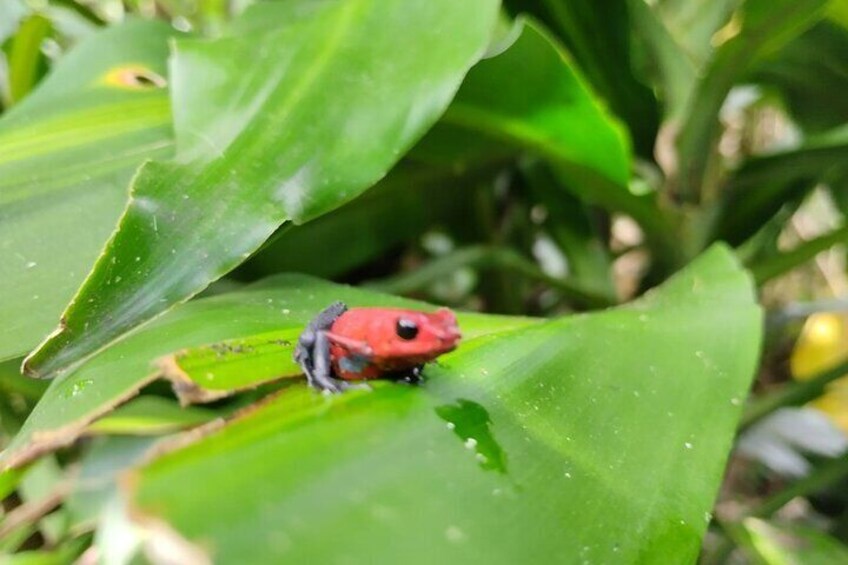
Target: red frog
[342, 345]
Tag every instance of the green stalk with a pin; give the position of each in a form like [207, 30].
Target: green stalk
[827, 474]
[793, 394]
[785, 262]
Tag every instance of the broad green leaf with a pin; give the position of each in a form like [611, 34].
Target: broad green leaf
[329, 104]
[67, 153]
[757, 30]
[598, 438]
[284, 303]
[544, 106]
[597, 34]
[776, 544]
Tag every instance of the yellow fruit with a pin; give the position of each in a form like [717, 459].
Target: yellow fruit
[824, 343]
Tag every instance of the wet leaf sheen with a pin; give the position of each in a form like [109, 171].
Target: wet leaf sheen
[599, 438]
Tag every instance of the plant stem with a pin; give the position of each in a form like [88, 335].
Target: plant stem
[792, 394]
[825, 475]
[780, 264]
[484, 256]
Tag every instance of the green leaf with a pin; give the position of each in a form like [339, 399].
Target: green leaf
[202, 374]
[281, 304]
[763, 184]
[328, 106]
[559, 439]
[757, 30]
[67, 153]
[776, 544]
[544, 106]
[26, 62]
[149, 415]
[810, 74]
[597, 34]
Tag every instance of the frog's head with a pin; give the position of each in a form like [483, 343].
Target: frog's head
[417, 337]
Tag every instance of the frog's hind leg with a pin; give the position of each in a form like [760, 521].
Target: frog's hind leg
[321, 376]
[312, 351]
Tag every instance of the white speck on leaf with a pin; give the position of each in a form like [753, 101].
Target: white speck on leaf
[454, 534]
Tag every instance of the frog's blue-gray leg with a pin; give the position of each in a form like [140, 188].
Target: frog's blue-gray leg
[321, 377]
[312, 351]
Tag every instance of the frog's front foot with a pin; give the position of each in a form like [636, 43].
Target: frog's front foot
[326, 384]
[413, 376]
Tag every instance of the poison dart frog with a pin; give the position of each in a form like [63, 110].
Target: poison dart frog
[342, 345]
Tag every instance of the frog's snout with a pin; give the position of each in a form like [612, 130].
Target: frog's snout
[450, 333]
[447, 331]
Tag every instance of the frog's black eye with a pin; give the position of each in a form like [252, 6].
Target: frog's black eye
[406, 329]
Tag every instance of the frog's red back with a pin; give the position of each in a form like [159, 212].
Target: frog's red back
[390, 339]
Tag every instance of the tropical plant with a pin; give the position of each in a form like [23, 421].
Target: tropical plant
[603, 190]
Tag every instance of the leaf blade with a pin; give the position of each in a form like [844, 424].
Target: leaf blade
[67, 153]
[311, 170]
[483, 459]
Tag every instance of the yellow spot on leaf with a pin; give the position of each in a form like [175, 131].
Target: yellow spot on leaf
[133, 77]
